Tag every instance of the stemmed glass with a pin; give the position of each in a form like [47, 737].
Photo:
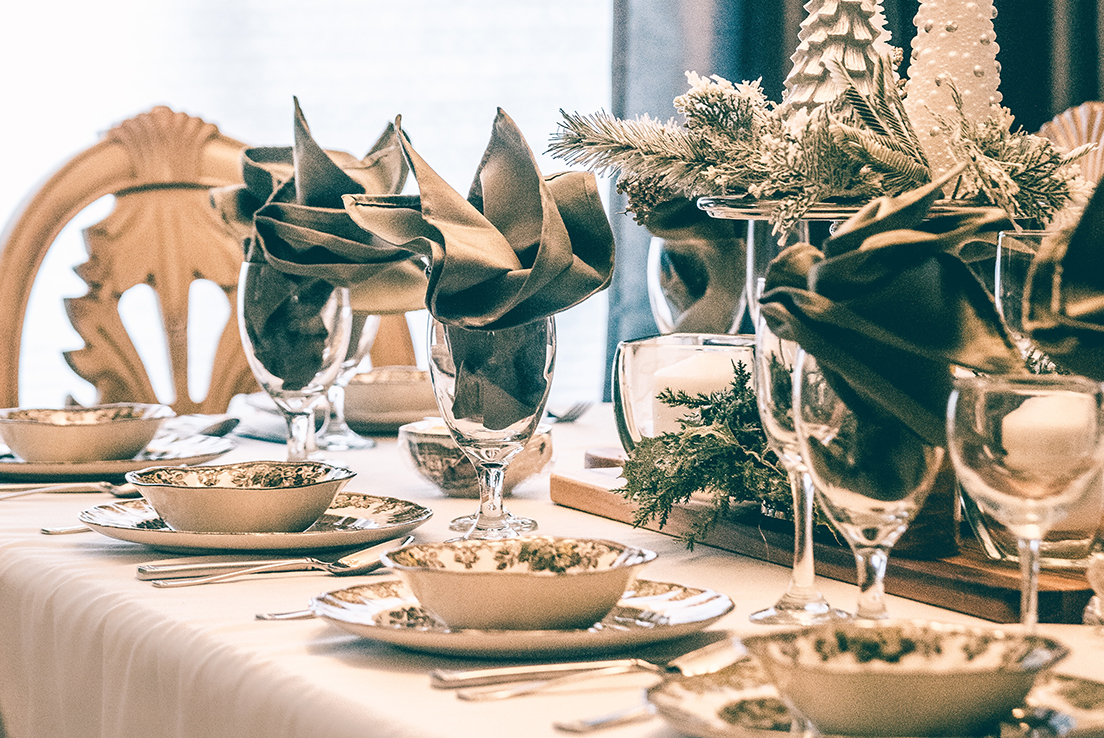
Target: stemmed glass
[336, 434]
[872, 473]
[295, 332]
[491, 388]
[802, 603]
[1026, 449]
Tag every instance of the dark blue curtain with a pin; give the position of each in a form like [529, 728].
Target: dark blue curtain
[1049, 56]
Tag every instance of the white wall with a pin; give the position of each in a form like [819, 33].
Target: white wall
[72, 69]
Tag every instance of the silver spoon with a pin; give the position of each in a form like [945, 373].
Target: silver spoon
[360, 562]
[119, 490]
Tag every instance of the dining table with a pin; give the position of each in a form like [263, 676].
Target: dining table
[89, 649]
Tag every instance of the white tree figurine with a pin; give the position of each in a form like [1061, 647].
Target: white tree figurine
[849, 31]
[955, 42]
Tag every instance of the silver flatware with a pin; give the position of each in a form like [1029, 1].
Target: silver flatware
[292, 615]
[571, 414]
[119, 490]
[65, 530]
[359, 562]
[634, 714]
[483, 685]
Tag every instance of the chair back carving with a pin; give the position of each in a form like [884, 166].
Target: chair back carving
[162, 232]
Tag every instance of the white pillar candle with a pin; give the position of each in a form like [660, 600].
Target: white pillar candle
[702, 373]
[1047, 433]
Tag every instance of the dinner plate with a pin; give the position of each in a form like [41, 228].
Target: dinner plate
[649, 612]
[353, 520]
[739, 701]
[173, 450]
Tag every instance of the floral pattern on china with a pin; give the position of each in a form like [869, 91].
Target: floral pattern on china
[267, 474]
[534, 554]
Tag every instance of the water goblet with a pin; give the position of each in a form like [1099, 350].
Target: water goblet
[336, 434]
[1025, 449]
[872, 473]
[802, 603]
[491, 387]
[295, 332]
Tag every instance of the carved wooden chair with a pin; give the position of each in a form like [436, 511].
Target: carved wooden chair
[162, 232]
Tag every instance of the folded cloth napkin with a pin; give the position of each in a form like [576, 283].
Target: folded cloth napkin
[291, 219]
[889, 309]
[290, 215]
[1064, 295]
[519, 248]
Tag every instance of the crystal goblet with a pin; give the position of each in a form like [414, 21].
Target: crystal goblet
[1025, 449]
[336, 434]
[295, 332]
[872, 473]
[802, 603]
[491, 387]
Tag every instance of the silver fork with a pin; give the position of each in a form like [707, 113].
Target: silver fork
[572, 414]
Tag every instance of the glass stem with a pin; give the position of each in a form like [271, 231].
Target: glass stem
[300, 435]
[1028, 550]
[803, 581]
[491, 522]
[336, 418]
[871, 564]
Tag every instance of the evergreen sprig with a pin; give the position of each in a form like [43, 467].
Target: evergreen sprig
[734, 141]
[720, 450]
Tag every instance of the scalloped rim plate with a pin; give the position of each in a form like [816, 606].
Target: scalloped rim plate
[187, 450]
[353, 520]
[692, 705]
[649, 612]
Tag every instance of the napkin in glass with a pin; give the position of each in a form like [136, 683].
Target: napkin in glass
[889, 309]
[1064, 295]
[520, 247]
[290, 217]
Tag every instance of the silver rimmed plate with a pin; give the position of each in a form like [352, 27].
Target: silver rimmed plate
[170, 450]
[739, 701]
[649, 612]
[353, 520]
[745, 208]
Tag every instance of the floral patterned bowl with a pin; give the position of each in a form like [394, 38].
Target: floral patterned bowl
[904, 677]
[76, 435]
[435, 456]
[527, 583]
[247, 497]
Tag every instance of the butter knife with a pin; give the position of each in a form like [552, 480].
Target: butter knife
[481, 685]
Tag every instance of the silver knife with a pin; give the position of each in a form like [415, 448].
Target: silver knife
[474, 681]
[209, 566]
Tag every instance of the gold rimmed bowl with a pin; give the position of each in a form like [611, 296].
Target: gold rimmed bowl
[904, 677]
[76, 435]
[246, 497]
[526, 583]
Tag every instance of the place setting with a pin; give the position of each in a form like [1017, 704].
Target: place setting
[103, 442]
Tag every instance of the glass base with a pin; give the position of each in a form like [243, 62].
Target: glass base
[517, 524]
[343, 439]
[796, 610]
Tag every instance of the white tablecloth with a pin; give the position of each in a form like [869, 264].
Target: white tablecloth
[87, 649]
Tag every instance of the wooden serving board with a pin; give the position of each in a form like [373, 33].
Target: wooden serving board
[968, 582]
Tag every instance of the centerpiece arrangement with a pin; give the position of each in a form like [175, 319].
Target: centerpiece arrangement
[849, 130]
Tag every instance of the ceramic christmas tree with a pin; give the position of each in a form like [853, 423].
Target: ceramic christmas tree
[851, 32]
[955, 42]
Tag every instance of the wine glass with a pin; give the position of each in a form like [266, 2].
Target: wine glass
[1026, 449]
[1015, 252]
[295, 332]
[491, 387]
[336, 434]
[802, 603]
[872, 473]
